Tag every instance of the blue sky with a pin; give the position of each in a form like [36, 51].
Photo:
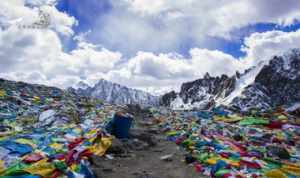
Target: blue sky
[153, 45]
[234, 47]
[87, 11]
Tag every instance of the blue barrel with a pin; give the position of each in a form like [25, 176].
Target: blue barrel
[119, 126]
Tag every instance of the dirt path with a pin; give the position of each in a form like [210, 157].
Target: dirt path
[141, 158]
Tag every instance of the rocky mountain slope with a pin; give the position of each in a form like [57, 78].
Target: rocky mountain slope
[264, 86]
[277, 83]
[200, 93]
[115, 93]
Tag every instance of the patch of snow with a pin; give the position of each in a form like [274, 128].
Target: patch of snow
[202, 91]
[178, 104]
[201, 104]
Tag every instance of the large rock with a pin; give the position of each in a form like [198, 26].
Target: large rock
[167, 98]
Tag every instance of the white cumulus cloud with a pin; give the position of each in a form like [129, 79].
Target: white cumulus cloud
[170, 25]
[168, 71]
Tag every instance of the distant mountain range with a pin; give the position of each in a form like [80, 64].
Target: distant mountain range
[115, 93]
[265, 86]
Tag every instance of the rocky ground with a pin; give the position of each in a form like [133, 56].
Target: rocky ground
[147, 155]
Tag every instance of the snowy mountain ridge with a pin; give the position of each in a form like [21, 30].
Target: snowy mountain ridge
[115, 93]
[265, 86]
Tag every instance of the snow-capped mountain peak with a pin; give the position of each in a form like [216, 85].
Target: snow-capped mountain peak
[116, 93]
[81, 85]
